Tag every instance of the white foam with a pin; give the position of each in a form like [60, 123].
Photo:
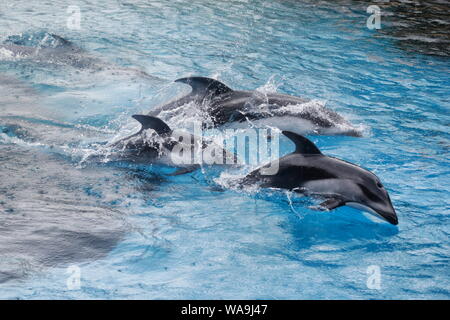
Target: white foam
[8, 55]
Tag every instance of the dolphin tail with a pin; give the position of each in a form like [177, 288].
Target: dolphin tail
[205, 86]
[149, 122]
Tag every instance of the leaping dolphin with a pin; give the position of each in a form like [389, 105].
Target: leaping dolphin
[338, 182]
[223, 105]
[156, 141]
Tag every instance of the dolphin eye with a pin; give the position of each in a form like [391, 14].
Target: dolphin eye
[379, 185]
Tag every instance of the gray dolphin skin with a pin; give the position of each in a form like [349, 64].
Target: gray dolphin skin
[51, 49]
[139, 147]
[146, 146]
[340, 183]
[224, 105]
[60, 51]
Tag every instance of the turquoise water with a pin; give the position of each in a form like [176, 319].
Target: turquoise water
[135, 232]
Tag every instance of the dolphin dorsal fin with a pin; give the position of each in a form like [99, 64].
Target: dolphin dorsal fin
[204, 86]
[302, 145]
[149, 122]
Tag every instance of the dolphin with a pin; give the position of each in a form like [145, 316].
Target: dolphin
[157, 141]
[338, 182]
[222, 105]
[51, 49]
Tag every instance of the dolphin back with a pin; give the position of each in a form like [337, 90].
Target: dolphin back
[39, 40]
[150, 122]
[205, 86]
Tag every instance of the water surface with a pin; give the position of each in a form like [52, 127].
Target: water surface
[137, 233]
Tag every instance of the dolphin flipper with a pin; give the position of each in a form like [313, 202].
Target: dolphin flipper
[149, 122]
[302, 145]
[203, 86]
[331, 204]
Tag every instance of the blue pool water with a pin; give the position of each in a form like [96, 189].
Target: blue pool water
[135, 232]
